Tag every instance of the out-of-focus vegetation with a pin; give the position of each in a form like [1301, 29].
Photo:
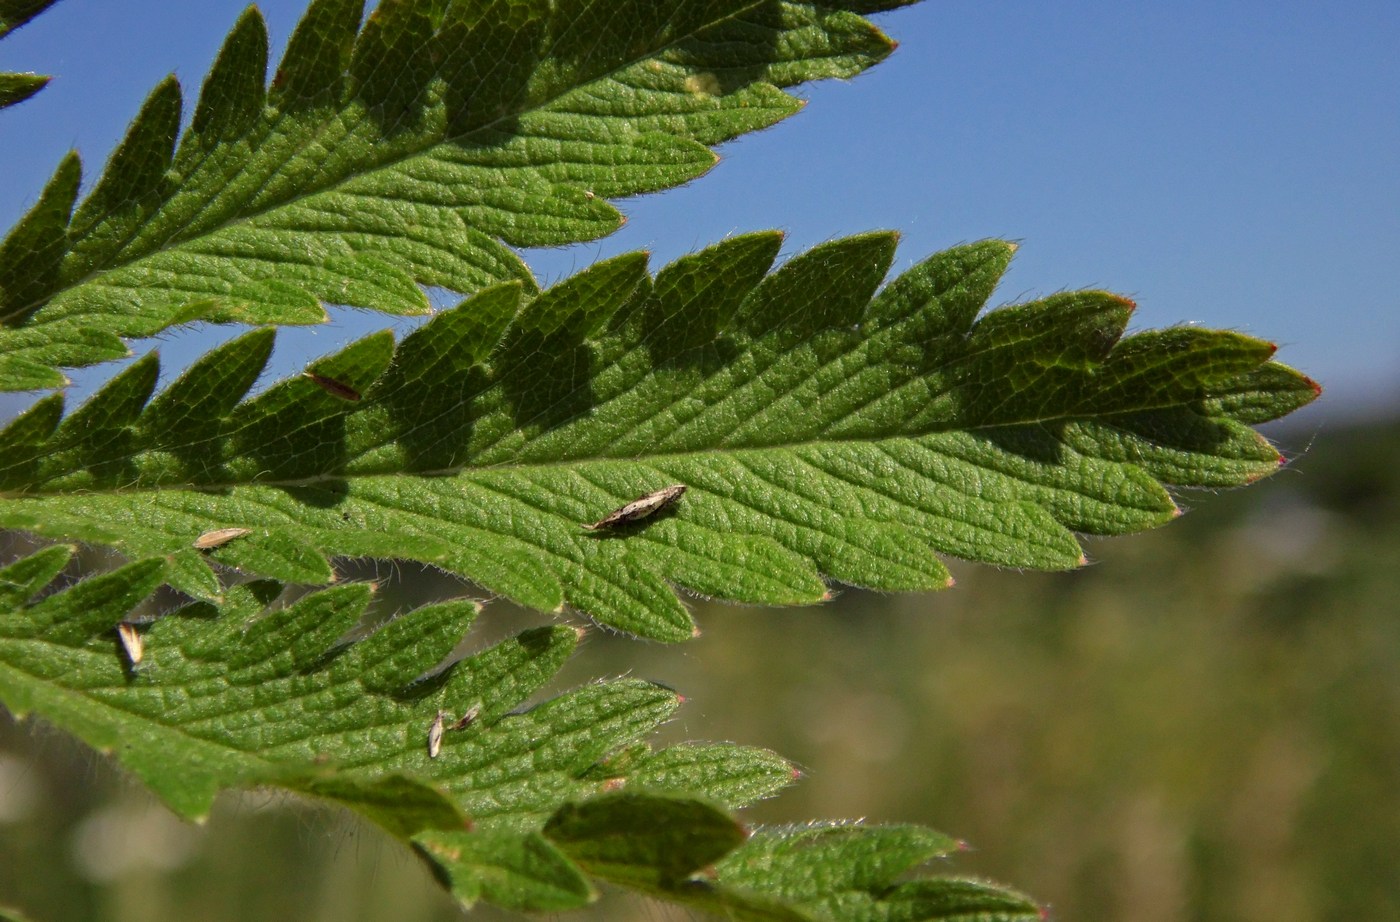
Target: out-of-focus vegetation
[1203, 726]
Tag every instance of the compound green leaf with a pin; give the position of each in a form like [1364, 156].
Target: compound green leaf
[826, 429]
[256, 691]
[720, 427]
[519, 806]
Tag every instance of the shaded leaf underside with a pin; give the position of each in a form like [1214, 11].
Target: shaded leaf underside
[827, 429]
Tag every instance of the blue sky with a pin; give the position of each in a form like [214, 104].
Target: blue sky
[1234, 165]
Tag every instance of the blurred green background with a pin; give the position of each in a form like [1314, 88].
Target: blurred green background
[1203, 725]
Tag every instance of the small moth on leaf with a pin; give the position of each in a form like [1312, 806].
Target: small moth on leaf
[466, 720]
[332, 386]
[218, 538]
[132, 642]
[643, 508]
[435, 735]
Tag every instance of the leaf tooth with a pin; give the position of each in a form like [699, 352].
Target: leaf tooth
[301, 634]
[1268, 392]
[1177, 446]
[945, 291]
[630, 596]
[576, 730]
[1177, 365]
[1084, 492]
[505, 674]
[734, 776]
[951, 898]
[34, 426]
[197, 403]
[364, 278]
[394, 61]
[580, 306]
[132, 182]
[21, 373]
[16, 88]
[827, 287]
[489, 54]
[438, 354]
[234, 93]
[694, 298]
[191, 574]
[400, 804]
[32, 253]
[1074, 331]
[24, 578]
[352, 371]
[644, 840]
[95, 427]
[751, 568]
[850, 856]
[95, 605]
[18, 13]
[409, 646]
[313, 67]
